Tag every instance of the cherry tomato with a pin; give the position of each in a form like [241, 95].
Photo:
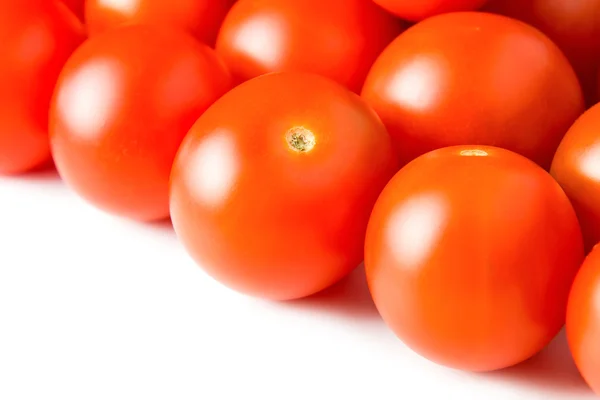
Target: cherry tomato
[76, 6]
[37, 37]
[272, 188]
[583, 320]
[339, 39]
[200, 17]
[576, 167]
[418, 10]
[573, 25]
[470, 254]
[495, 81]
[123, 104]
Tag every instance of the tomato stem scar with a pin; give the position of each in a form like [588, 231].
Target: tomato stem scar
[300, 139]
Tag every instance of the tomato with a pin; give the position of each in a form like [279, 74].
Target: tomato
[576, 167]
[339, 39]
[470, 253]
[37, 37]
[573, 25]
[272, 188]
[76, 6]
[583, 320]
[418, 10]
[122, 106]
[495, 81]
[200, 17]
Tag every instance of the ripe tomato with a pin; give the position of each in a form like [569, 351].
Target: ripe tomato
[573, 25]
[339, 39]
[37, 37]
[76, 6]
[417, 10]
[583, 320]
[470, 254]
[200, 17]
[576, 167]
[272, 188]
[495, 81]
[123, 103]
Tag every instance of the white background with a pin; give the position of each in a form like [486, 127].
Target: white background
[94, 307]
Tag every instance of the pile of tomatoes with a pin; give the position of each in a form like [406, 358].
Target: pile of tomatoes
[453, 145]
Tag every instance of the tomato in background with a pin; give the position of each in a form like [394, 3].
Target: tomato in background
[76, 6]
[573, 25]
[272, 188]
[412, 10]
[122, 106]
[339, 39]
[474, 78]
[200, 17]
[37, 37]
[470, 254]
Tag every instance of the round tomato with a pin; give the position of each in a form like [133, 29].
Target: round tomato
[576, 167]
[583, 320]
[76, 6]
[339, 39]
[272, 188]
[470, 254]
[495, 81]
[417, 10]
[573, 25]
[37, 37]
[200, 17]
[122, 106]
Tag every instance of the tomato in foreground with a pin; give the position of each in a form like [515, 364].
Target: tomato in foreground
[475, 78]
[576, 167]
[37, 37]
[76, 6]
[418, 10]
[122, 106]
[470, 254]
[272, 188]
[339, 39]
[202, 18]
[583, 320]
[573, 25]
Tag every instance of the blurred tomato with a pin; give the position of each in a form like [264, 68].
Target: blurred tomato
[272, 188]
[76, 6]
[123, 103]
[493, 81]
[417, 10]
[470, 255]
[339, 39]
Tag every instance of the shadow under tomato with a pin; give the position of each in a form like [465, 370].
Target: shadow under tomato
[44, 173]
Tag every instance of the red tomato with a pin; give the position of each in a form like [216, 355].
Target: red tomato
[576, 167]
[417, 10]
[37, 37]
[470, 254]
[200, 17]
[583, 320]
[76, 6]
[123, 104]
[495, 81]
[573, 25]
[339, 39]
[272, 188]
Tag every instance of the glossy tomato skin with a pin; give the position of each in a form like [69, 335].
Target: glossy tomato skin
[76, 6]
[202, 18]
[418, 10]
[576, 167]
[583, 320]
[36, 38]
[496, 81]
[339, 39]
[122, 106]
[470, 253]
[264, 218]
[573, 25]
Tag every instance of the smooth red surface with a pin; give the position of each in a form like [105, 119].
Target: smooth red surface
[264, 219]
[417, 10]
[475, 78]
[583, 320]
[339, 39]
[576, 167]
[470, 254]
[124, 102]
[36, 38]
[202, 18]
[76, 6]
[573, 25]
